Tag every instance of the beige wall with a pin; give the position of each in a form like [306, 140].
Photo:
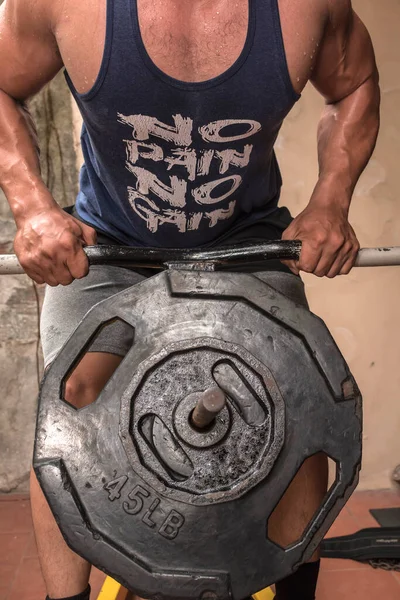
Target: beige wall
[362, 309]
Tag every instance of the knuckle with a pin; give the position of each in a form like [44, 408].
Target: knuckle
[67, 243]
[319, 238]
[28, 264]
[90, 232]
[24, 261]
[336, 240]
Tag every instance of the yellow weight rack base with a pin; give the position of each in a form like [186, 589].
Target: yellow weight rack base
[112, 590]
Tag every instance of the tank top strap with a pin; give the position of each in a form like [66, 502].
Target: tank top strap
[268, 41]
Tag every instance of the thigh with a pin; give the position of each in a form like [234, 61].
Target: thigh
[64, 308]
[300, 503]
[89, 377]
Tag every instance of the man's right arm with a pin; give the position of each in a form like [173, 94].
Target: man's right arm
[49, 242]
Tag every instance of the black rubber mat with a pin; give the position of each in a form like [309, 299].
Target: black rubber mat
[386, 517]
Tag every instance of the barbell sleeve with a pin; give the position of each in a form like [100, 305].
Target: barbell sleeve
[224, 257]
[9, 265]
[209, 405]
[378, 257]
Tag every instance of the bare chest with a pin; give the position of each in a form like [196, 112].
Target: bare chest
[193, 41]
[189, 40]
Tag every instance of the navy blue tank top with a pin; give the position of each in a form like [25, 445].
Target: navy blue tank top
[177, 164]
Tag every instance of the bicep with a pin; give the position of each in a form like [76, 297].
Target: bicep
[28, 53]
[346, 59]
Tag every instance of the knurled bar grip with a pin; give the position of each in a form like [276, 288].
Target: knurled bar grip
[228, 256]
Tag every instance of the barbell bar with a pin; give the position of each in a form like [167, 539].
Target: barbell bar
[207, 259]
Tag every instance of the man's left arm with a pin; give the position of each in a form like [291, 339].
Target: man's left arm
[346, 75]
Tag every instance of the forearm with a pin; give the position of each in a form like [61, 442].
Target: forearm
[20, 176]
[347, 136]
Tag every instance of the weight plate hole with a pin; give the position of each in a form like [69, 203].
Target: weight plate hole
[295, 511]
[166, 448]
[76, 387]
[240, 391]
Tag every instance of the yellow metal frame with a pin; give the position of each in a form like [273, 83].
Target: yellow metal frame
[111, 589]
[266, 594]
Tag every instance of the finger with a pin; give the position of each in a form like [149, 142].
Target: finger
[89, 235]
[290, 234]
[50, 279]
[347, 267]
[309, 258]
[349, 263]
[56, 273]
[78, 264]
[333, 257]
[330, 264]
[292, 265]
[62, 274]
[345, 254]
[68, 278]
[32, 270]
[337, 265]
[35, 276]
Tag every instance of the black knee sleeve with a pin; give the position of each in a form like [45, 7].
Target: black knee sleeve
[82, 596]
[300, 585]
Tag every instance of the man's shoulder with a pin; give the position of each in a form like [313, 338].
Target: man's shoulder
[29, 56]
[31, 16]
[336, 12]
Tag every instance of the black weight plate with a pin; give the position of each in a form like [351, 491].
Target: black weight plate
[141, 496]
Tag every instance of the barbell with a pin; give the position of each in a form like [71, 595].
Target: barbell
[209, 259]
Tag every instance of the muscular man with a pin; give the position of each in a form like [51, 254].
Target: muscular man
[182, 102]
